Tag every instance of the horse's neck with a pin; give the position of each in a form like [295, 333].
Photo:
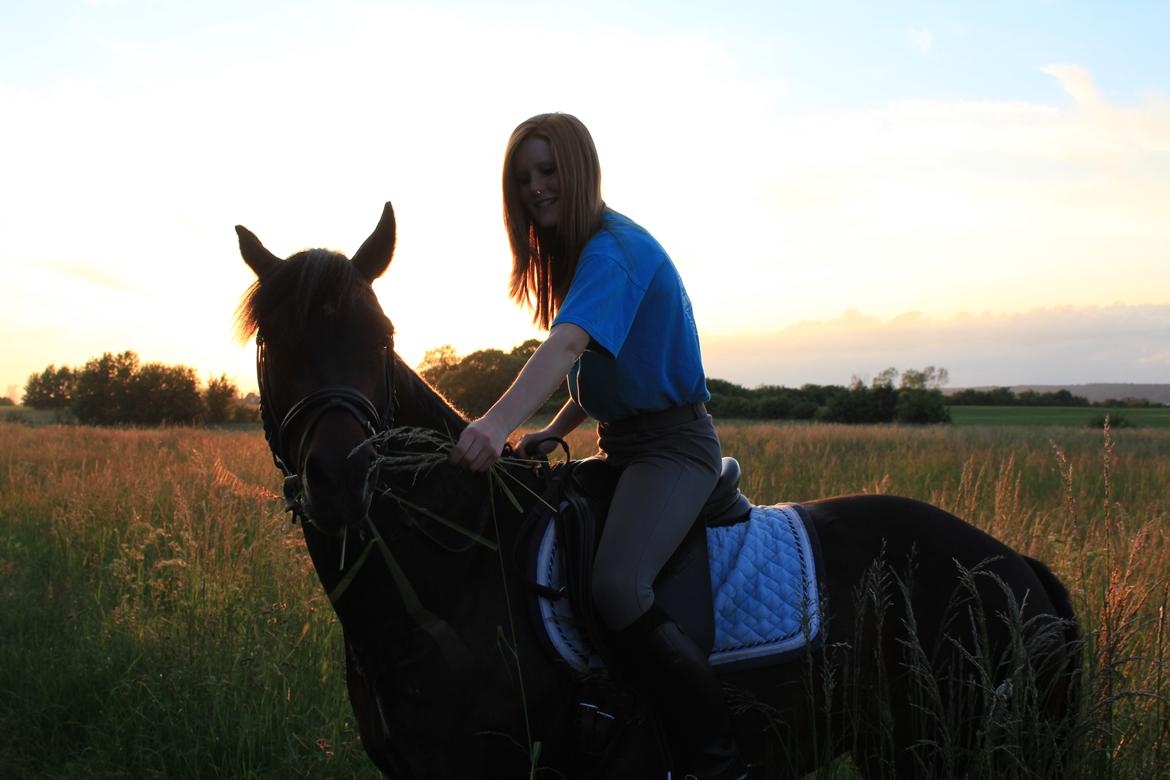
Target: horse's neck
[462, 496]
[420, 405]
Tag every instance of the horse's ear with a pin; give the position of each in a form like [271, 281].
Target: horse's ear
[255, 255]
[373, 257]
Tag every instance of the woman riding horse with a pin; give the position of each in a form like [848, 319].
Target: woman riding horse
[621, 329]
[943, 651]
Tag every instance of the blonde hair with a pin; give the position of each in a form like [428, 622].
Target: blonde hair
[543, 261]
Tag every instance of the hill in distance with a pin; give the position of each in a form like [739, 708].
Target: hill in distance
[1101, 391]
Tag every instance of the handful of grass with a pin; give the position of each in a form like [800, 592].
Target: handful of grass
[411, 451]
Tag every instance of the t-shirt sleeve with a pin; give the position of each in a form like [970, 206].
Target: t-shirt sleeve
[602, 300]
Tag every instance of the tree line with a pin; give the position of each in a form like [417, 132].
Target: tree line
[1003, 396]
[918, 398]
[121, 390]
[474, 382]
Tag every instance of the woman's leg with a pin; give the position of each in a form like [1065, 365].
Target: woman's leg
[665, 481]
[655, 504]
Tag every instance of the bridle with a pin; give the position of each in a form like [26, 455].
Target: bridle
[311, 409]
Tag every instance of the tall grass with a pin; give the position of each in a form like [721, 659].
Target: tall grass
[159, 616]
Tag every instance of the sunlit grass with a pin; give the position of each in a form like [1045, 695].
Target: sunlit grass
[159, 617]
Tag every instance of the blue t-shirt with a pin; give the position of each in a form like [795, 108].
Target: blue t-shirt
[644, 354]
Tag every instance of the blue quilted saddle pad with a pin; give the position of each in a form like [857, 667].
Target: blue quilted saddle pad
[764, 585]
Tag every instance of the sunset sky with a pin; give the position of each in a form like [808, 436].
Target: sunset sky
[845, 186]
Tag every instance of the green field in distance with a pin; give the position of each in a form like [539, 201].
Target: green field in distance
[1064, 416]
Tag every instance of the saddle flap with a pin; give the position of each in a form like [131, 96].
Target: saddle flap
[683, 587]
[683, 590]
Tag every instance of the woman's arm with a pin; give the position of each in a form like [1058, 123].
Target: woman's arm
[480, 444]
[566, 421]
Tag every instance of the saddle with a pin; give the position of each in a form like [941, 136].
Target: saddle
[771, 550]
[581, 491]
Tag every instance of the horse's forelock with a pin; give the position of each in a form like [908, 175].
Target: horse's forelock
[284, 298]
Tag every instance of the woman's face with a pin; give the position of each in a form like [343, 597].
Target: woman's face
[537, 180]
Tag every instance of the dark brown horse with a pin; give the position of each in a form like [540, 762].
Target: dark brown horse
[944, 653]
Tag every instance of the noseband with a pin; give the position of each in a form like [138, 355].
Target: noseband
[312, 408]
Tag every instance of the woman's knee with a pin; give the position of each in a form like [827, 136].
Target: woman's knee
[616, 596]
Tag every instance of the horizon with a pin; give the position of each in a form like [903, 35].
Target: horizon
[843, 188]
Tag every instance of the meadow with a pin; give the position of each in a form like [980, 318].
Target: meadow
[159, 616]
[1062, 416]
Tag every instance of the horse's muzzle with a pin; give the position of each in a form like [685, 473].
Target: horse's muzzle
[336, 493]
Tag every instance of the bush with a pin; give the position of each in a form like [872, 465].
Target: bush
[245, 412]
[922, 406]
[1115, 421]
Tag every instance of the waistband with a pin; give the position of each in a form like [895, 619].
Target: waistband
[649, 421]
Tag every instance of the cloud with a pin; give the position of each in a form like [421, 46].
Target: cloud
[1077, 82]
[1056, 345]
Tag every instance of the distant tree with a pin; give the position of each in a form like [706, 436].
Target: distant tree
[929, 378]
[1057, 398]
[219, 399]
[50, 389]
[436, 361]
[884, 402]
[723, 387]
[818, 394]
[102, 392]
[473, 383]
[851, 406]
[115, 389]
[803, 410]
[885, 378]
[6, 401]
[164, 394]
[917, 405]
[1000, 396]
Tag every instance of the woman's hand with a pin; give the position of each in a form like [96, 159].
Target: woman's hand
[537, 443]
[481, 443]
[479, 446]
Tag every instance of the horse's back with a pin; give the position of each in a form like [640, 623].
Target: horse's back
[857, 529]
[932, 564]
[940, 617]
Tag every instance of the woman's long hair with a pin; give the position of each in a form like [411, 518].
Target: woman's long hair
[543, 261]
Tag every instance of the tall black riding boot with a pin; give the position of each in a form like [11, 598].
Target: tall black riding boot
[675, 672]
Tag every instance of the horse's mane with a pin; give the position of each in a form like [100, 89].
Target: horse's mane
[309, 280]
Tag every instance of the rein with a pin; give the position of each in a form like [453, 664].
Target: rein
[314, 406]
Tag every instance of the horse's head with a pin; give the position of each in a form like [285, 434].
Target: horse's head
[324, 361]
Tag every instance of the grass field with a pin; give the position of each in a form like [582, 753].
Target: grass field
[1062, 416]
[160, 618]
